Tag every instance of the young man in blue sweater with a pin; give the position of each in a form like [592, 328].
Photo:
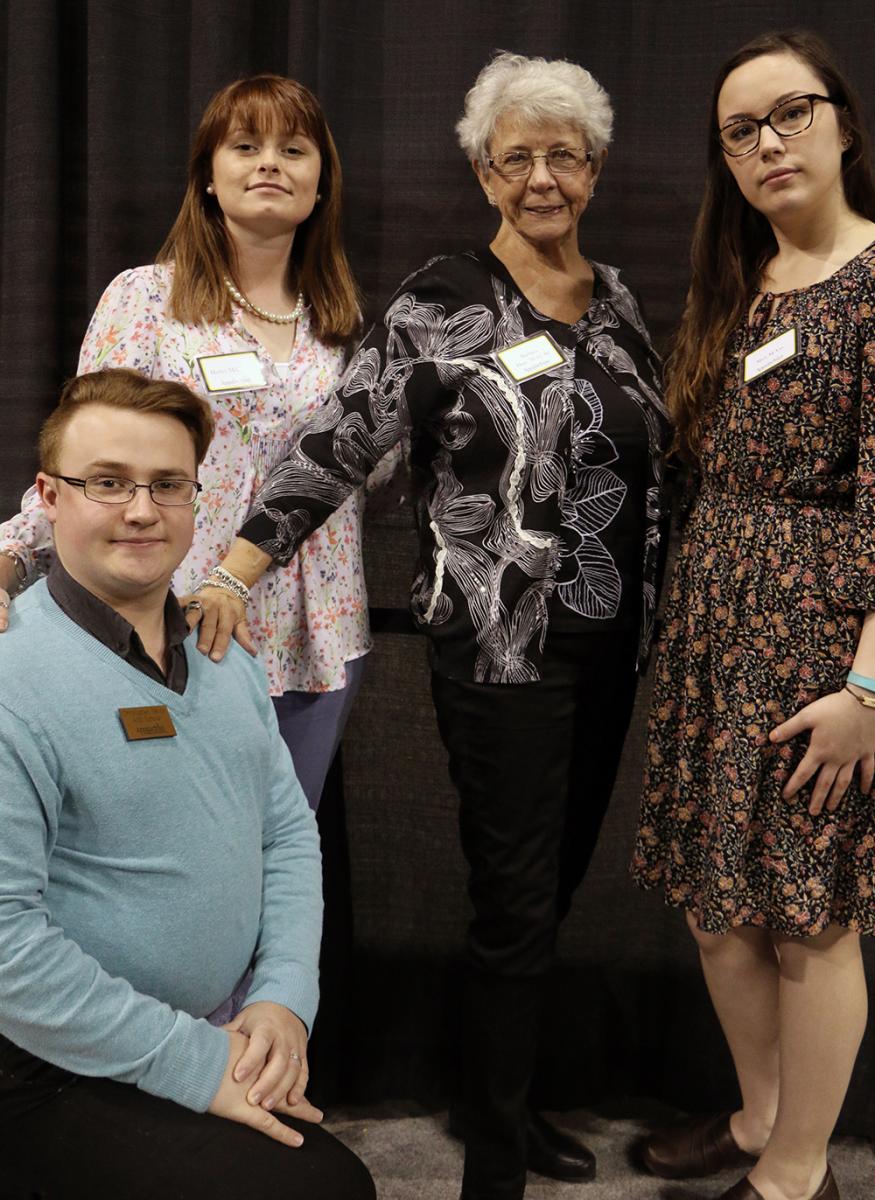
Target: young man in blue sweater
[160, 890]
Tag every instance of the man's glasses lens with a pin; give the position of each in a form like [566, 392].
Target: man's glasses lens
[110, 489]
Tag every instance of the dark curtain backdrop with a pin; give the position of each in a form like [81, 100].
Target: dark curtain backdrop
[99, 102]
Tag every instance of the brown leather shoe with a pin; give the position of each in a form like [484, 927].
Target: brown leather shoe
[693, 1148]
[745, 1190]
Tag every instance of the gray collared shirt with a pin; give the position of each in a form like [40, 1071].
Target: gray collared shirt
[110, 628]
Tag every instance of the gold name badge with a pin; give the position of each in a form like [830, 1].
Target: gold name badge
[153, 721]
[532, 356]
[237, 372]
[770, 354]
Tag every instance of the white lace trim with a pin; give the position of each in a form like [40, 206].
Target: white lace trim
[513, 491]
[439, 560]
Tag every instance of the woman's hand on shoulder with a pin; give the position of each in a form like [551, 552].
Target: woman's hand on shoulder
[5, 602]
[842, 742]
[220, 616]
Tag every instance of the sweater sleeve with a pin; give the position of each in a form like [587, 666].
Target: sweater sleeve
[397, 378]
[56, 1001]
[852, 574]
[287, 955]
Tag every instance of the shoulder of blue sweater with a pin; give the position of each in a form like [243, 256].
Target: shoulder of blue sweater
[236, 669]
[27, 613]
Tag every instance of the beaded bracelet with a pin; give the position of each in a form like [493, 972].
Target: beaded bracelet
[862, 681]
[226, 582]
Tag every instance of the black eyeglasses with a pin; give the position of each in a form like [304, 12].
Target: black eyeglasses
[561, 160]
[111, 489]
[787, 119]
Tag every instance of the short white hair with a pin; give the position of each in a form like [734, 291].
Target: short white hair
[539, 91]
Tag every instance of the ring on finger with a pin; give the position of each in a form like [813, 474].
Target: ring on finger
[295, 1057]
[193, 606]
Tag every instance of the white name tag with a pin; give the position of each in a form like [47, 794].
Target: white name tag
[770, 355]
[530, 357]
[238, 372]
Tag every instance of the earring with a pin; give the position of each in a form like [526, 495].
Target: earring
[591, 192]
[318, 197]
[211, 191]
[846, 142]
[493, 201]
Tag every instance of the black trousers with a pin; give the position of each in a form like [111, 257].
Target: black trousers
[534, 765]
[65, 1137]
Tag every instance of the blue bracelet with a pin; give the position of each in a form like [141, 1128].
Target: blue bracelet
[862, 681]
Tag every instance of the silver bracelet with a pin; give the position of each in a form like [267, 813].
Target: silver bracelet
[20, 568]
[218, 577]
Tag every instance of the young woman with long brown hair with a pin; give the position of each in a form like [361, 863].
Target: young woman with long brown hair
[251, 304]
[757, 816]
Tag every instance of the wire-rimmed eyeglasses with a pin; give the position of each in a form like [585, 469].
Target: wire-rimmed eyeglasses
[114, 489]
[561, 160]
[787, 119]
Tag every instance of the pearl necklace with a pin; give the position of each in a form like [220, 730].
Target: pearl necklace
[277, 318]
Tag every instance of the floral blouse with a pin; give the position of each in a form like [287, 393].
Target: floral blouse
[308, 617]
[500, 466]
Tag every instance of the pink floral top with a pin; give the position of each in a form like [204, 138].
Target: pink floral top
[310, 617]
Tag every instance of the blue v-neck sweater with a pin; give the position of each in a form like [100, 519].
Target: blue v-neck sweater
[140, 879]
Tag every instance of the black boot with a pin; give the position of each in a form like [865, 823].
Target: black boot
[555, 1154]
[549, 1151]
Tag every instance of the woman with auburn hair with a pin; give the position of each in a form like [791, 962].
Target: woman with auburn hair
[251, 304]
[757, 816]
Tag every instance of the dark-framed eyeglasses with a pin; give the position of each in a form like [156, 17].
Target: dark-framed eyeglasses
[113, 489]
[561, 160]
[787, 119]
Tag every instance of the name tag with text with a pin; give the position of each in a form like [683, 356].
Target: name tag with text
[770, 354]
[237, 372]
[532, 356]
[152, 721]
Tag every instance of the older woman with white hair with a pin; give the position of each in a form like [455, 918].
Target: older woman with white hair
[526, 381]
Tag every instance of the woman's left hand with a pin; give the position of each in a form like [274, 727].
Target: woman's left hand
[221, 616]
[842, 741]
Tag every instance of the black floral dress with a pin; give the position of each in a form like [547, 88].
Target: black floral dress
[775, 573]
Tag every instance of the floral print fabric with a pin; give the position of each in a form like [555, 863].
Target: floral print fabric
[775, 572]
[308, 617]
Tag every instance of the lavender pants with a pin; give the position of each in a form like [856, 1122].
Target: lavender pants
[312, 724]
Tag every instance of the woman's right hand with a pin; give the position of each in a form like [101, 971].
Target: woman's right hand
[221, 616]
[5, 602]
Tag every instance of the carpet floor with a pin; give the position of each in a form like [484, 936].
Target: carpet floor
[412, 1156]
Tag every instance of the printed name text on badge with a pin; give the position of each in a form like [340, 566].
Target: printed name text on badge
[770, 354]
[532, 356]
[238, 372]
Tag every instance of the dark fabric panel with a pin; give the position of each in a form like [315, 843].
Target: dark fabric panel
[99, 101]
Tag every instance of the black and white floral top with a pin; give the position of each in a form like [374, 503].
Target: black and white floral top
[504, 471]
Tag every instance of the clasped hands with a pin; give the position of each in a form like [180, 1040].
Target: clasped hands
[266, 1072]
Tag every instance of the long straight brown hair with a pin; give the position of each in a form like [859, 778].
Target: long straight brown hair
[733, 242]
[199, 243]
